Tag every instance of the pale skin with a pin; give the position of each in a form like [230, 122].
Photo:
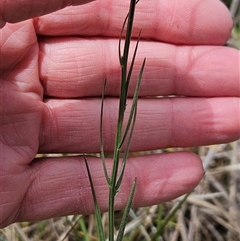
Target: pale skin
[51, 96]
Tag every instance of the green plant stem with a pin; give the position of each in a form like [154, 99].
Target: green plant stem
[122, 105]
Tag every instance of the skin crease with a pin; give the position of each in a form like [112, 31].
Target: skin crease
[50, 100]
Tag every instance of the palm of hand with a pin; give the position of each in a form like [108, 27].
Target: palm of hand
[21, 114]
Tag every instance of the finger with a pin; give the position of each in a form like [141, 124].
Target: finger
[73, 67]
[73, 125]
[19, 50]
[60, 186]
[183, 21]
[19, 10]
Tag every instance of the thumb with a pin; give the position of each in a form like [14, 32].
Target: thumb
[19, 10]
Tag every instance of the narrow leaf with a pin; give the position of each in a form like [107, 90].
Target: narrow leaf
[169, 217]
[124, 59]
[129, 30]
[126, 212]
[134, 102]
[100, 231]
[121, 35]
[132, 62]
[131, 123]
[124, 161]
[84, 229]
[120, 41]
[101, 135]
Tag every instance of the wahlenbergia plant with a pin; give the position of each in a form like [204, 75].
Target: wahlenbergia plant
[123, 134]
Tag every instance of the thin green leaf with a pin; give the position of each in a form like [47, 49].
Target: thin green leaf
[120, 41]
[126, 212]
[134, 103]
[169, 217]
[101, 135]
[100, 231]
[129, 31]
[121, 36]
[119, 181]
[130, 124]
[124, 60]
[84, 229]
[132, 62]
[159, 215]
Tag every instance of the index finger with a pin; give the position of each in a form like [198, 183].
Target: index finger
[19, 10]
[179, 22]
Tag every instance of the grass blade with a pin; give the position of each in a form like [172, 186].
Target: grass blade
[101, 135]
[132, 63]
[124, 58]
[100, 231]
[84, 229]
[134, 103]
[121, 34]
[169, 217]
[126, 212]
[130, 126]
[124, 161]
[129, 31]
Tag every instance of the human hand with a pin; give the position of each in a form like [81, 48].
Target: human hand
[51, 98]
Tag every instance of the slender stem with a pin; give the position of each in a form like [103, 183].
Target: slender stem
[122, 105]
